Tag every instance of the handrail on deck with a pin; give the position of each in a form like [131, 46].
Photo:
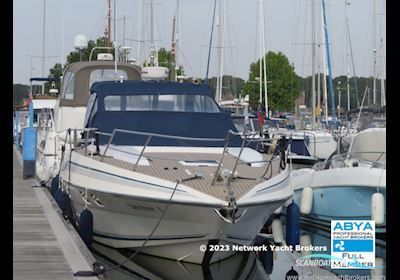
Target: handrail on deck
[248, 137]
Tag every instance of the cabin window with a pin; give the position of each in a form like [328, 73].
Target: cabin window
[99, 75]
[167, 102]
[68, 86]
[112, 103]
[91, 107]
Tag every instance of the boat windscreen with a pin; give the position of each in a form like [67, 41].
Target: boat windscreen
[166, 102]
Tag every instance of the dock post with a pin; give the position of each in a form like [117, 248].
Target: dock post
[29, 152]
[16, 131]
[31, 114]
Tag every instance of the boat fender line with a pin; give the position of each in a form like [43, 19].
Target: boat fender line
[293, 224]
[54, 185]
[277, 230]
[378, 208]
[101, 269]
[306, 201]
[283, 143]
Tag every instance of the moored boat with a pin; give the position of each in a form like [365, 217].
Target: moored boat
[163, 170]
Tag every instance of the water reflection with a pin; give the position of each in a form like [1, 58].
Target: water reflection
[271, 265]
[239, 266]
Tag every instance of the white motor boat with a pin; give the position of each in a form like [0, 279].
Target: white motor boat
[163, 170]
[347, 186]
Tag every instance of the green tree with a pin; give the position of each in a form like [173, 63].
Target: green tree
[75, 56]
[283, 83]
[20, 93]
[55, 72]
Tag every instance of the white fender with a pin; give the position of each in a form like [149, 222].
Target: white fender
[306, 201]
[277, 230]
[378, 208]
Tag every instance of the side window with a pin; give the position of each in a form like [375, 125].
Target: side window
[68, 87]
[99, 75]
[91, 107]
[112, 103]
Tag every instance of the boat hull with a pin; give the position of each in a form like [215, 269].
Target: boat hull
[341, 193]
[127, 206]
[126, 222]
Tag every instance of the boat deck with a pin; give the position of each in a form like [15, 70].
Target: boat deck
[170, 166]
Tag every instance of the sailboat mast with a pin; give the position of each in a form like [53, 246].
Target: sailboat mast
[211, 36]
[221, 61]
[109, 26]
[173, 50]
[174, 43]
[347, 61]
[348, 88]
[313, 63]
[153, 52]
[265, 60]
[218, 26]
[261, 57]
[44, 42]
[115, 42]
[324, 86]
[374, 50]
[347, 3]
[140, 32]
[318, 52]
[329, 64]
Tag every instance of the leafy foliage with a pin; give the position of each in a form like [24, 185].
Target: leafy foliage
[20, 93]
[283, 84]
[75, 56]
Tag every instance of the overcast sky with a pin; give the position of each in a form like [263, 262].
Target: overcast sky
[287, 29]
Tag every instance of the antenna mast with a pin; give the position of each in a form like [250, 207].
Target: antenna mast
[44, 42]
[313, 63]
[109, 26]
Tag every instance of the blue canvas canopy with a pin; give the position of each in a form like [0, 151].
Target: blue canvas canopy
[214, 123]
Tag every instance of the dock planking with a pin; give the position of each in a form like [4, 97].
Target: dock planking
[37, 252]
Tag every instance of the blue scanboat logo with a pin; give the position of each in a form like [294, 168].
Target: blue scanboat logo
[353, 244]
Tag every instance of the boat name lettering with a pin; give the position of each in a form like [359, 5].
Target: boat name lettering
[141, 207]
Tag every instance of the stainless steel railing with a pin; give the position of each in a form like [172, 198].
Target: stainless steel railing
[246, 138]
